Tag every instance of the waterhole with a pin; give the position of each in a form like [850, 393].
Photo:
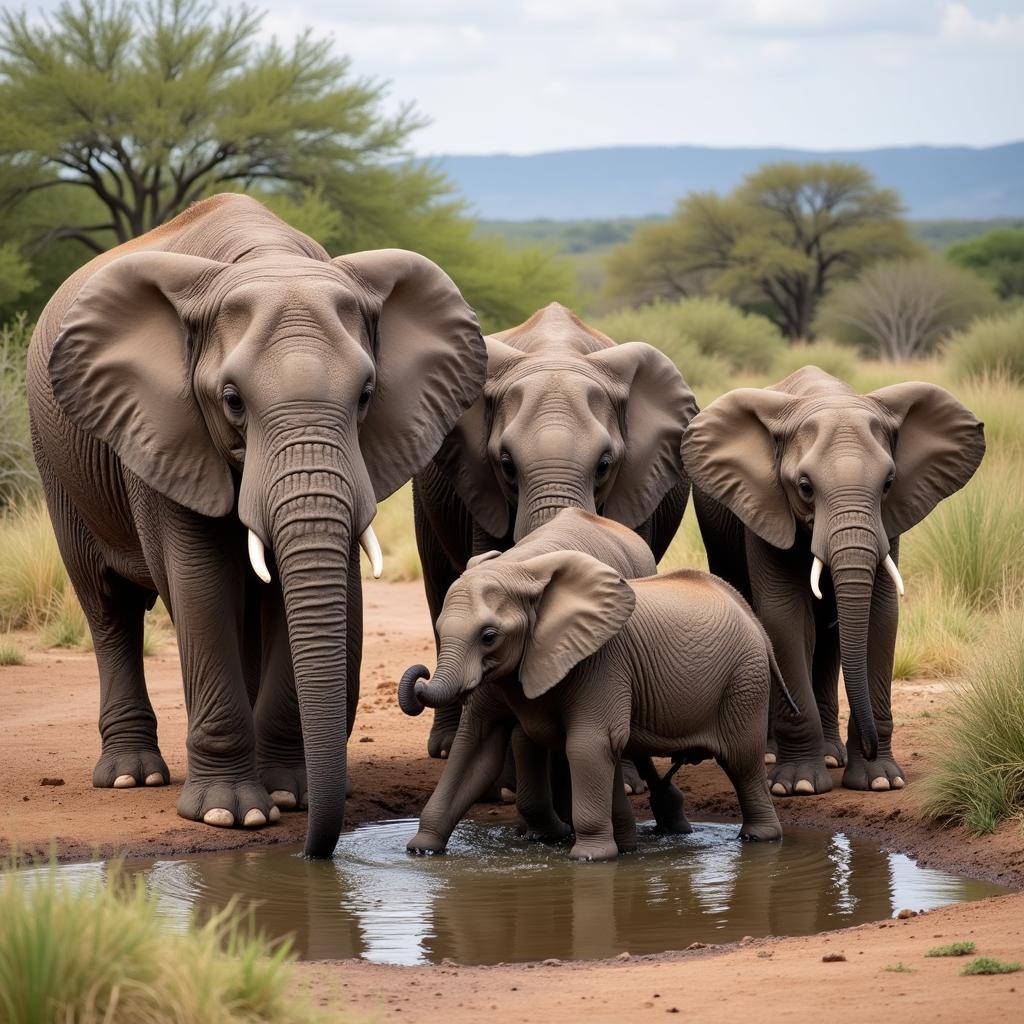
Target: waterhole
[497, 897]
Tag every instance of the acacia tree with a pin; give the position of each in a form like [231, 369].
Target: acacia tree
[151, 107]
[777, 242]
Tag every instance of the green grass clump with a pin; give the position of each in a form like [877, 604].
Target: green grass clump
[91, 953]
[937, 632]
[990, 965]
[978, 775]
[994, 344]
[898, 968]
[11, 653]
[33, 580]
[952, 949]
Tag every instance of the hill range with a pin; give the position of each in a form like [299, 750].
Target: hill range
[935, 182]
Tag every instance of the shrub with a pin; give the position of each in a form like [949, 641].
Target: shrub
[997, 255]
[904, 309]
[978, 779]
[952, 949]
[989, 965]
[17, 470]
[937, 631]
[33, 580]
[10, 653]
[707, 338]
[98, 952]
[826, 355]
[994, 345]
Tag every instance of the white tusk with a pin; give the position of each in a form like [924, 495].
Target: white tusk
[368, 542]
[890, 568]
[816, 566]
[258, 557]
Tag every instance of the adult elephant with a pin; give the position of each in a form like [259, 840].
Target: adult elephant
[567, 419]
[819, 477]
[220, 392]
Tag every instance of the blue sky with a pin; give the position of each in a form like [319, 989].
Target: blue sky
[523, 76]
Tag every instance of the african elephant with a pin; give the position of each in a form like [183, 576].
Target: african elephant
[567, 419]
[820, 476]
[674, 665]
[213, 392]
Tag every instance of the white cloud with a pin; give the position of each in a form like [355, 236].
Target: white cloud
[961, 24]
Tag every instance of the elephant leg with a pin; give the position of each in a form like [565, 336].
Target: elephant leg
[883, 773]
[593, 765]
[724, 537]
[114, 609]
[623, 820]
[204, 562]
[825, 679]
[666, 800]
[474, 762]
[534, 799]
[746, 773]
[662, 526]
[782, 601]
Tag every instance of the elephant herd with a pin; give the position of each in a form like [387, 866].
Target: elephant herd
[220, 393]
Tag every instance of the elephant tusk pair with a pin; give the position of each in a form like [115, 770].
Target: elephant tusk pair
[367, 541]
[890, 567]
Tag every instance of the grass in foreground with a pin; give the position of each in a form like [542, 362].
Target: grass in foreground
[89, 954]
[952, 949]
[11, 653]
[978, 778]
[989, 965]
[900, 968]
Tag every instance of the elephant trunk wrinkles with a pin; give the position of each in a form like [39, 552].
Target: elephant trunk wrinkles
[311, 511]
[853, 562]
[449, 682]
[545, 495]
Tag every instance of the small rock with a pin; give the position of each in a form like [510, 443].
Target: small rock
[622, 956]
[833, 958]
[696, 945]
[365, 739]
[51, 782]
[672, 1009]
[906, 913]
[552, 961]
[747, 938]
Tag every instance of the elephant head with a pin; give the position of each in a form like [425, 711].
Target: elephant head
[532, 620]
[580, 423]
[851, 472]
[302, 390]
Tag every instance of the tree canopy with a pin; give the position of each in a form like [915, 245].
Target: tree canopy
[122, 114]
[775, 244]
[997, 255]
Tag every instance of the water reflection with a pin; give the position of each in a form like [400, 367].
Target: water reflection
[495, 897]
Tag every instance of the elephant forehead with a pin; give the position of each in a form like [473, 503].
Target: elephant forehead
[274, 288]
[829, 431]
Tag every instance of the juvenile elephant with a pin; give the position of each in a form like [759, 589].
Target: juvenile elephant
[821, 476]
[674, 665]
[567, 419]
[220, 392]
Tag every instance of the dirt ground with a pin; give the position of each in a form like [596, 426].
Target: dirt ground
[50, 707]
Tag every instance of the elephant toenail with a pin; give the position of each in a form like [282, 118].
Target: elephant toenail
[769, 758]
[880, 784]
[275, 814]
[508, 796]
[219, 816]
[628, 788]
[898, 783]
[831, 762]
[779, 789]
[444, 755]
[154, 779]
[804, 786]
[124, 782]
[284, 798]
[254, 818]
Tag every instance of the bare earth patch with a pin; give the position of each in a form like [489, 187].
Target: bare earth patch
[50, 708]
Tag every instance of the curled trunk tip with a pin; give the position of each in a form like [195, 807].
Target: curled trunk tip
[408, 699]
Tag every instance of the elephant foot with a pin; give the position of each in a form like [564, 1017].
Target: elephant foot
[286, 785]
[880, 775]
[668, 808]
[631, 780]
[225, 804]
[551, 834]
[127, 767]
[424, 843]
[833, 752]
[761, 832]
[594, 849]
[799, 778]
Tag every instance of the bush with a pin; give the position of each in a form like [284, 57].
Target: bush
[992, 346]
[904, 309]
[706, 338]
[33, 580]
[17, 470]
[938, 630]
[92, 953]
[10, 653]
[826, 355]
[978, 779]
[997, 255]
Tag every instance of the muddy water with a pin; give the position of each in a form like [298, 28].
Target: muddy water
[495, 897]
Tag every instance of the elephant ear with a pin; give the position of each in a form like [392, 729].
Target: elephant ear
[582, 605]
[658, 408]
[429, 356]
[120, 370]
[486, 556]
[729, 451]
[464, 458]
[939, 445]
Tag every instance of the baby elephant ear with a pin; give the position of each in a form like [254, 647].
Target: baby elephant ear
[120, 370]
[582, 605]
[485, 557]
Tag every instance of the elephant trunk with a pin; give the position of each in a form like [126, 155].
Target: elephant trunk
[310, 521]
[548, 490]
[449, 684]
[853, 562]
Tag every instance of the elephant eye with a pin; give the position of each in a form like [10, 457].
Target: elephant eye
[805, 488]
[508, 467]
[604, 465]
[365, 395]
[233, 400]
[489, 636]
[888, 483]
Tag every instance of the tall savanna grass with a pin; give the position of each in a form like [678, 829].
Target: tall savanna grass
[74, 952]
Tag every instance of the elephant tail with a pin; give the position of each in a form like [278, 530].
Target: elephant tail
[777, 679]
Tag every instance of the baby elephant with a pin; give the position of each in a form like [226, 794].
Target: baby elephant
[674, 665]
